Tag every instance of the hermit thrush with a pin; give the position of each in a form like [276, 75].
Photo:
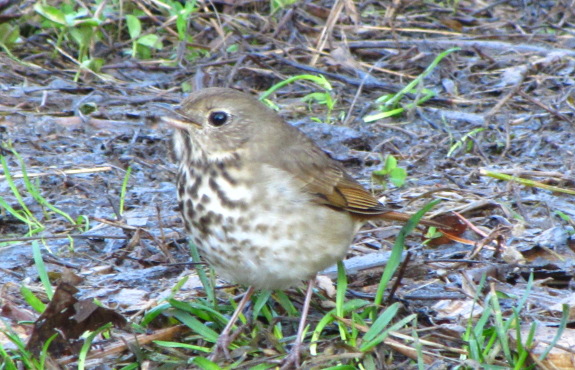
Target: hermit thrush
[264, 204]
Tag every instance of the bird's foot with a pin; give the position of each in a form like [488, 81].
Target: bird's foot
[291, 361]
[225, 338]
[221, 348]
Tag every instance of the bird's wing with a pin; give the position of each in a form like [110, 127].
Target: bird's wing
[327, 181]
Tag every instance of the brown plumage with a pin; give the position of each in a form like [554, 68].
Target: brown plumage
[264, 204]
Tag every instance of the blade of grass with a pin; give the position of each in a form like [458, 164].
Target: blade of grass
[7, 361]
[395, 257]
[523, 349]
[385, 333]
[182, 345]
[34, 191]
[384, 318]
[88, 343]
[206, 282]
[390, 101]
[261, 300]
[562, 326]
[471, 332]
[418, 346]
[329, 317]
[199, 310]
[29, 219]
[13, 212]
[44, 354]
[286, 303]
[42, 273]
[319, 80]
[24, 357]
[205, 364]
[340, 298]
[32, 300]
[154, 312]
[501, 327]
[197, 326]
[410, 86]
[124, 189]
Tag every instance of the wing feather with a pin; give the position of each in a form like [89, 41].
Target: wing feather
[327, 181]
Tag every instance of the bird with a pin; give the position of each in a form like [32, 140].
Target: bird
[265, 205]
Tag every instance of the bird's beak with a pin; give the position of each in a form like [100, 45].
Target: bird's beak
[176, 118]
[180, 123]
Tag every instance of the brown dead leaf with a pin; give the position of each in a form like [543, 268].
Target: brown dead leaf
[69, 318]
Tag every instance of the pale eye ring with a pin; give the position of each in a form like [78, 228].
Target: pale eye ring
[218, 118]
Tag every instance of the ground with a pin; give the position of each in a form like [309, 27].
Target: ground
[495, 143]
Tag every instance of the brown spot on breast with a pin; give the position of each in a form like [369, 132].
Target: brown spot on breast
[187, 142]
[193, 189]
[245, 244]
[243, 223]
[262, 252]
[224, 199]
[223, 171]
[262, 228]
[276, 235]
[205, 199]
[226, 175]
[213, 184]
[204, 223]
[228, 228]
[189, 213]
[181, 176]
[219, 218]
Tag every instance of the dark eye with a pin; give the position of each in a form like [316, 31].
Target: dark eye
[218, 118]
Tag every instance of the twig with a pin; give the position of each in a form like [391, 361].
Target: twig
[327, 30]
[552, 111]
[526, 182]
[18, 175]
[438, 44]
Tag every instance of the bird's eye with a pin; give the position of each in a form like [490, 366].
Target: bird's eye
[218, 118]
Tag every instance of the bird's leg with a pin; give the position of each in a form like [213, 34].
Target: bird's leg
[224, 339]
[292, 359]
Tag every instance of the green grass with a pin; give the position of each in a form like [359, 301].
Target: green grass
[487, 339]
[206, 317]
[24, 214]
[34, 223]
[389, 104]
[320, 97]
[362, 325]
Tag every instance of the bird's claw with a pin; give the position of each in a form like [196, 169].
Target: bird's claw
[221, 348]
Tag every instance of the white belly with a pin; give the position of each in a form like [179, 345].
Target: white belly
[270, 241]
